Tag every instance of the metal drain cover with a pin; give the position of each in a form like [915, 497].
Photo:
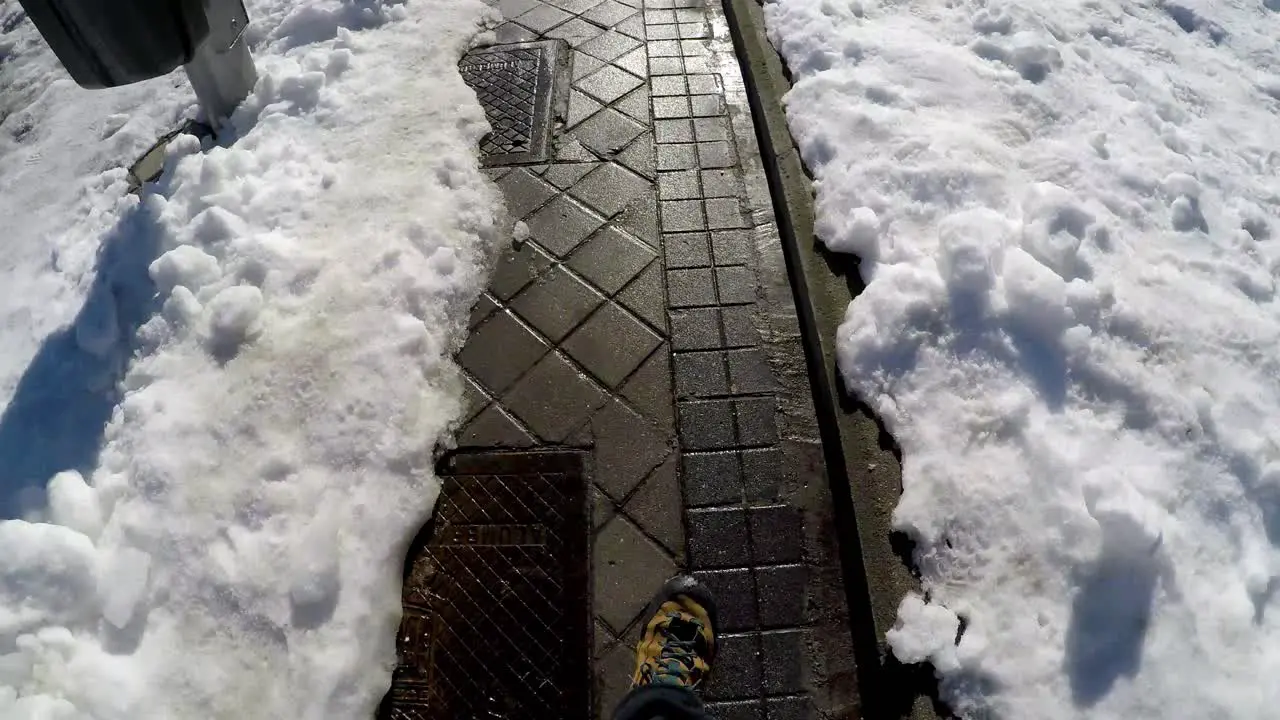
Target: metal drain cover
[520, 88]
[496, 617]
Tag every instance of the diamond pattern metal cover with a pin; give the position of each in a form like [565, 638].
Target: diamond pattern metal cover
[496, 616]
[518, 87]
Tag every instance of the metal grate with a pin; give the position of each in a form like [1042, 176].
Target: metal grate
[496, 619]
[517, 85]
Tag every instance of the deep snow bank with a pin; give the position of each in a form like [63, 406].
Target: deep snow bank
[1066, 213]
[235, 550]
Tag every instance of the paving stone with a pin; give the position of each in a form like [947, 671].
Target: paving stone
[543, 17]
[724, 213]
[628, 567]
[510, 32]
[716, 154]
[563, 175]
[697, 64]
[516, 8]
[739, 326]
[644, 297]
[730, 247]
[700, 374]
[693, 48]
[757, 420]
[686, 250]
[633, 27]
[711, 478]
[474, 398]
[762, 473]
[670, 107]
[613, 677]
[608, 84]
[611, 45]
[516, 269]
[663, 48]
[691, 287]
[577, 7]
[666, 66]
[785, 669]
[663, 32]
[483, 308]
[738, 669]
[736, 710]
[635, 104]
[716, 537]
[523, 192]
[628, 447]
[611, 344]
[562, 223]
[634, 61]
[609, 188]
[496, 173]
[493, 428]
[706, 105]
[649, 390]
[610, 259]
[673, 131]
[679, 185]
[575, 32]
[777, 534]
[783, 593]
[687, 16]
[749, 372]
[694, 31]
[501, 350]
[705, 85]
[667, 85]
[695, 329]
[710, 129]
[790, 708]
[706, 424]
[554, 398]
[602, 638]
[570, 150]
[735, 596]
[584, 64]
[609, 13]
[681, 215]
[581, 107]
[639, 155]
[656, 507]
[720, 183]
[659, 17]
[557, 303]
[735, 285]
[677, 157]
[607, 132]
[640, 218]
[602, 508]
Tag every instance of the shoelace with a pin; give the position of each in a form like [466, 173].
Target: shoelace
[677, 649]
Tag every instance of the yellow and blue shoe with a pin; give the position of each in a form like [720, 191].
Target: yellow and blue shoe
[679, 641]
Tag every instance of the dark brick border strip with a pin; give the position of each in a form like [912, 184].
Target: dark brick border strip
[856, 448]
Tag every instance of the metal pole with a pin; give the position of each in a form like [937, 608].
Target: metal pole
[221, 70]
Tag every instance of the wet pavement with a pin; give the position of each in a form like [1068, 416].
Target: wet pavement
[644, 316]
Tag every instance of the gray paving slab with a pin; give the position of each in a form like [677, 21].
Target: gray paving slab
[642, 314]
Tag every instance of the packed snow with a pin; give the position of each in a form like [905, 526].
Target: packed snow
[220, 397]
[1064, 213]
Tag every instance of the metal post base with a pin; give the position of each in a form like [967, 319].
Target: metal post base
[222, 71]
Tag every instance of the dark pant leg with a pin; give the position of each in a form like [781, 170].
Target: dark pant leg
[660, 702]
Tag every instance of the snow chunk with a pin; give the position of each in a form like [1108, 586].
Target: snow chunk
[124, 584]
[185, 265]
[972, 245]
[73, 504]
[232, 318]
[1036, 296]
[860, 236]
[924, 632]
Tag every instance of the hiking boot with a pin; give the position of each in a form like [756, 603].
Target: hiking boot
[679, 640]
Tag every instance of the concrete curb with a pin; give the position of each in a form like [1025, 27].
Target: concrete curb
[863, 465]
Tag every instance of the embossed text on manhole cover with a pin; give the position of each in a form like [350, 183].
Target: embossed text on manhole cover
[496, 621]
[519, 87]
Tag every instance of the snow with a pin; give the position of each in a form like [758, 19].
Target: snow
[1064, 213]
[221, 397]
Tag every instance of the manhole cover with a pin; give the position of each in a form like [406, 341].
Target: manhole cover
[519, 87]
[496, 623]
